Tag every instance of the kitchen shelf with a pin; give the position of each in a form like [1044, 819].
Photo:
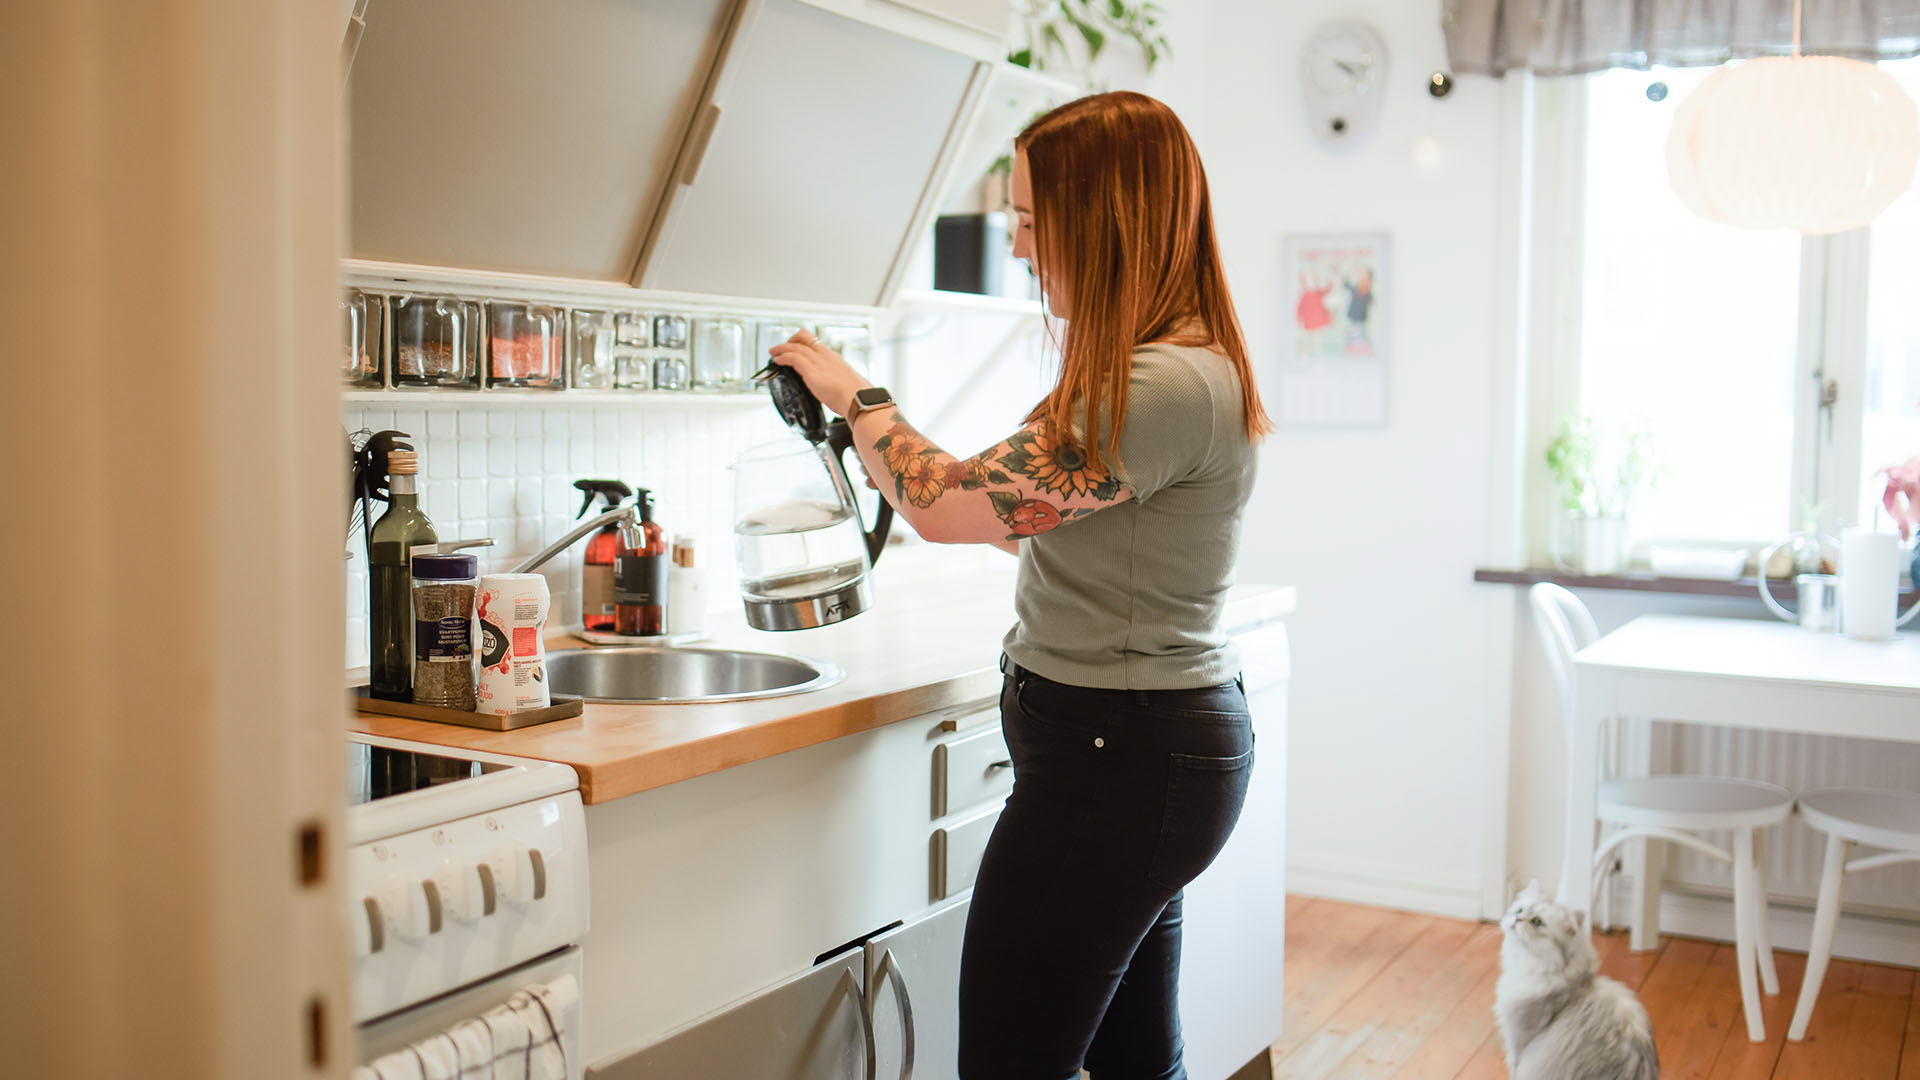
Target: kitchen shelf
[961, 301]
[431, 396]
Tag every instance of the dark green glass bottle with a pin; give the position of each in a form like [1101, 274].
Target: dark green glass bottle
[389, 581]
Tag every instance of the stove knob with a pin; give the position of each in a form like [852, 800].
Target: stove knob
[368, 923]
[518, 875]
[461, 892]
[411, 912]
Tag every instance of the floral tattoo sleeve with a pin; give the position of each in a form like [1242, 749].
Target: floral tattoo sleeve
[1034, 481]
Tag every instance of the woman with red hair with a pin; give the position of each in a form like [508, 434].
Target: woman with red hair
[1122, 496]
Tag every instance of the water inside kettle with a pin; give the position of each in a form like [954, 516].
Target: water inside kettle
[798, 548]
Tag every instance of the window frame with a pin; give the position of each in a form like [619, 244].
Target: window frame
[1831, 347]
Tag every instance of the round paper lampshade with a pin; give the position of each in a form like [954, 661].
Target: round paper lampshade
[1819, 144]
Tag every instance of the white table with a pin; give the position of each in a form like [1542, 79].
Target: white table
[1764, 675]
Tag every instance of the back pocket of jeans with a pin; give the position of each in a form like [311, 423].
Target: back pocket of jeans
[1204, 798]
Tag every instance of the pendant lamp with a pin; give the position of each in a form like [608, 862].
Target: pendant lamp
[1818, 144]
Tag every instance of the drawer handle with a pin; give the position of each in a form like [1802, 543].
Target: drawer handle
[1004, 763]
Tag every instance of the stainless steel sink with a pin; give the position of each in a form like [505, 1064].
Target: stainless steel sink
[671, 675]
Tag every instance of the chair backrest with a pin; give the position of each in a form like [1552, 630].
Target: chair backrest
[1565, 627]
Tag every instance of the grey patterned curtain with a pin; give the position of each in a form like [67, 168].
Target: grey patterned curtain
[1574, 37]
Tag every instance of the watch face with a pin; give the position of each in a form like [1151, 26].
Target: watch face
[872, 396]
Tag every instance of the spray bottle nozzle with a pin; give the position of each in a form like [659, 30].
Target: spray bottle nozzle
[613, 491]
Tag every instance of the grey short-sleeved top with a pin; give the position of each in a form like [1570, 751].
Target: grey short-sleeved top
[1130, 597]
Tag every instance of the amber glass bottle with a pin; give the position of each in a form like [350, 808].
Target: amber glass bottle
[640, 574]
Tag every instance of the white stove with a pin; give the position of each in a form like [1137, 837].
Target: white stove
[467, 883]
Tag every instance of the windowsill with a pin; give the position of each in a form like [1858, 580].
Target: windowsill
[1643, 581]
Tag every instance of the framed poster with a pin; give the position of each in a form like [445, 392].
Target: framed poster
[1333, 367]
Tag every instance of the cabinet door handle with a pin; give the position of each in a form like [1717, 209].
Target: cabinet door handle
[889, 969]
[851, 984]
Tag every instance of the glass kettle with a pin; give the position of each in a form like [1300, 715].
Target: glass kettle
[804, 553]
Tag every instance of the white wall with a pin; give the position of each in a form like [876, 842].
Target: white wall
[1381, 530]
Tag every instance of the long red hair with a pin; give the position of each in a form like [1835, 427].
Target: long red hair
[1123, 232]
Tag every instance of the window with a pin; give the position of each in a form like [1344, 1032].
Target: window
[1717, 342]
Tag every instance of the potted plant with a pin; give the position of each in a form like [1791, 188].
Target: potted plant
[1599, 472]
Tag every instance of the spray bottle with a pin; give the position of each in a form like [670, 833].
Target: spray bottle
[596, 568]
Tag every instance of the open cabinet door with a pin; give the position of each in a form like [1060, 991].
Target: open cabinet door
[513, 136]
[815, 161]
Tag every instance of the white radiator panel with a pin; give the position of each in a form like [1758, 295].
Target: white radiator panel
[1797, 763]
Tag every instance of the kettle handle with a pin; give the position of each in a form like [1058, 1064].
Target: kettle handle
[840, 440]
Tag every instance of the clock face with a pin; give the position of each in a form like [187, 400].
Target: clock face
[1343, 58]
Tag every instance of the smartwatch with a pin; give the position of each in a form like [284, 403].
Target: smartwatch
[873, 397]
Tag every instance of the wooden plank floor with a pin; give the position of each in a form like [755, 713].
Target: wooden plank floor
[1374, 994]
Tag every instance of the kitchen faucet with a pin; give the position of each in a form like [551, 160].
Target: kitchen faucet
[617, 516]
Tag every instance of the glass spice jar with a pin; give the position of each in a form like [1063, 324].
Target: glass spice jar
[632, 371]
[719, 347]
[670, 331]
[436, 340]
[593, 353]
[444, 671]
[771, 333]
[524, 345]
[670, 372]
[364, 333]
[633, 328]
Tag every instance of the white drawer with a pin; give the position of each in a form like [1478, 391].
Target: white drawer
[957, 850]
[969, 770]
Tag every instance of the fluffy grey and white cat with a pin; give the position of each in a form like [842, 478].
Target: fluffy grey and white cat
[1559, 1017]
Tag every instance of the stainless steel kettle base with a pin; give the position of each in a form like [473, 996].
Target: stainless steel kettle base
[805, 613]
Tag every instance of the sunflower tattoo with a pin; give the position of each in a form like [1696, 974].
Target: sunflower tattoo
[1058, 465]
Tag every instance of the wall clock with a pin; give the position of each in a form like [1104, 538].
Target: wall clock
[1343, 69]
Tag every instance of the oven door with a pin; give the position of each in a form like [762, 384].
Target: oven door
[396, 1031]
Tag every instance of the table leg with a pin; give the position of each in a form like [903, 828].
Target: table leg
[1592, 693]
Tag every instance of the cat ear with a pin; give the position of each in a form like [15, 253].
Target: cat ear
[1580, 921]
[1532, 891]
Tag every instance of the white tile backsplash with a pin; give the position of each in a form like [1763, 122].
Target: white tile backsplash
[506, 471]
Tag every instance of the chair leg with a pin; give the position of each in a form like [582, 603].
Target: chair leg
[1743, 933]
[1762, 935]
[1826, 913]
[1646, 895]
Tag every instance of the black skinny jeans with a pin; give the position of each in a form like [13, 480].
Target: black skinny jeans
[1072, 954]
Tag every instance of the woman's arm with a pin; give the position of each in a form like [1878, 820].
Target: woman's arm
[1023, 486]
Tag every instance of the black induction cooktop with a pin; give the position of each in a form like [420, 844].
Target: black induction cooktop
[379, 772]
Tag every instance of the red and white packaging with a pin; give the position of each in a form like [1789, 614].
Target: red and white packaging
[512, 609]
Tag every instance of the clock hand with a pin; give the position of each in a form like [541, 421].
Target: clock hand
[1355, 70]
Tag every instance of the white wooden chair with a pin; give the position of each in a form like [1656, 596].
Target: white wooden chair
[1849, 816]
[1673, 809]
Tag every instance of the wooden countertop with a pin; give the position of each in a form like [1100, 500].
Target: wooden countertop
[930, 642]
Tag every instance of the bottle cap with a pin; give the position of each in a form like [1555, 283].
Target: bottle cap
[403, 462]
[445, 567]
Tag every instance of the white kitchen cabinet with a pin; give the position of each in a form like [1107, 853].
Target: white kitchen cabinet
[972, 769]
[1234, 937]
[913, 994]
[815, 160]
[708, 890]
[978, 28]
[503, 135]
[727, 887]
[813, 1026]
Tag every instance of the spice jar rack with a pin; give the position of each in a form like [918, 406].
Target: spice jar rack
[401, 342]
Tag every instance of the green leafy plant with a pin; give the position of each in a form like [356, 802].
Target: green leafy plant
[1601, 471]
[1049, 25]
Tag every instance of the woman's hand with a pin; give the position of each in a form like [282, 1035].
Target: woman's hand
[1902, 497]
[826, 373]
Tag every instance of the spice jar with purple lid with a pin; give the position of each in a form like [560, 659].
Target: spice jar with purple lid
[443, 635]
